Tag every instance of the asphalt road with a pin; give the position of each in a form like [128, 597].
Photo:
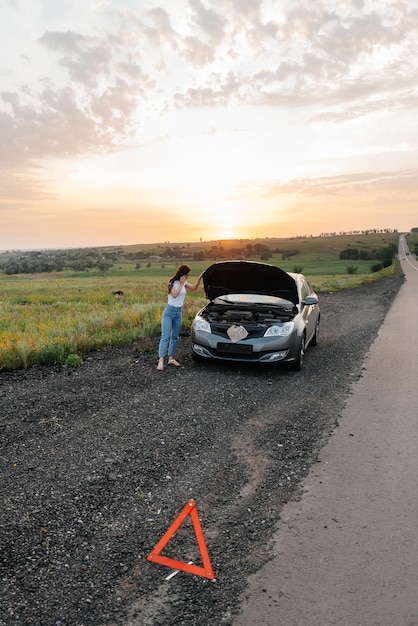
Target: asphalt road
[347, 552]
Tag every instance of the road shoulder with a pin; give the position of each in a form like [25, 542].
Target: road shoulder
[344, 554]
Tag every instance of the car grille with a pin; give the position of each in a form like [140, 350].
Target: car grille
[253, 331]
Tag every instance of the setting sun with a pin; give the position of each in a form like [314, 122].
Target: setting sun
[229, 226]
[228, 234]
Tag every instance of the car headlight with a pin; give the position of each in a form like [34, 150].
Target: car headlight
[280, 330]
[201, 324]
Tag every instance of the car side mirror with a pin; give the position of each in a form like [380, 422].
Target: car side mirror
[310, 300]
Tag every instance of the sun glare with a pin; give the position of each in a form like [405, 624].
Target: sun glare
[228, 225]
[228, 234]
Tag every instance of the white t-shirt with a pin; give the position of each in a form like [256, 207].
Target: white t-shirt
[178, 302]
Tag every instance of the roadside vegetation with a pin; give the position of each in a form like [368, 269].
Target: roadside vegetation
[56, 306]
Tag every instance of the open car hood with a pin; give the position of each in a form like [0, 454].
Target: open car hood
[248, 277]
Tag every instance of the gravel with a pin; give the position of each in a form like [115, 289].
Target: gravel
[98, 461]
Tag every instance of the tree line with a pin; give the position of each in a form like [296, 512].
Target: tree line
[385, 253]
[37, 262]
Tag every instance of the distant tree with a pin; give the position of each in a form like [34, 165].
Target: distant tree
[261, 248]
[111, 256]
[287, 254]
[169, 253]
[103, 265]
[12, 267]
[386, 253]
[349, 254]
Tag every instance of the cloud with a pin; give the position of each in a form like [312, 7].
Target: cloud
[348, 185]
[21, 187]
[211, 23]
[303, 54]
[197, 52]
[54, 123]
[335, 55]
[210, 95]
[98, 87]
[94, 110]
[67, 42]
[160, 31]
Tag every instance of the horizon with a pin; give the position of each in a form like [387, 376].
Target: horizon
[163, 122]
[175, 244]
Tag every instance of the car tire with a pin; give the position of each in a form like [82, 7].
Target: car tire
[315, 336]
[297, 365]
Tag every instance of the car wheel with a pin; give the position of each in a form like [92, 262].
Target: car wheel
[297, 365]
[315, 337]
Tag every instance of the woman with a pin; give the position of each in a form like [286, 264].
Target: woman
[171, 321]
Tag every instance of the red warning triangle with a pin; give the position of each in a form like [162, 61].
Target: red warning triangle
[155, 556]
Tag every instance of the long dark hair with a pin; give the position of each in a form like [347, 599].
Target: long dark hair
[182, 270]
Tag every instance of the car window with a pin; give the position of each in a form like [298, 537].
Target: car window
[305, 289]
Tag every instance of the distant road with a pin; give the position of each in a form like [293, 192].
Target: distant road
[347, 553]
[405, 255]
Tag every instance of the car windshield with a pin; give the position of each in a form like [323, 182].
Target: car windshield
[252, 298]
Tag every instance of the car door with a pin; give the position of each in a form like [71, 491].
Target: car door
[309, 311]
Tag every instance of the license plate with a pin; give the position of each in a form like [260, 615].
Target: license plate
[235, 348]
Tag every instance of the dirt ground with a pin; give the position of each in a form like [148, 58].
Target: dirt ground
[97, 462]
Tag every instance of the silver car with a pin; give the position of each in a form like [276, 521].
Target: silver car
[257, 313]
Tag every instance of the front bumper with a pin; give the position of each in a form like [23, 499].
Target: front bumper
[260, 350]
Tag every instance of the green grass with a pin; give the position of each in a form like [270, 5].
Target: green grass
[46, 318]
[43, 320]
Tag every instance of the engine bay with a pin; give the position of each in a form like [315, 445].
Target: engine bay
[222, 314]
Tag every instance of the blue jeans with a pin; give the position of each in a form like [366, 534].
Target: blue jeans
[170, 330]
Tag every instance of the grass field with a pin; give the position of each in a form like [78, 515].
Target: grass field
[46, 319]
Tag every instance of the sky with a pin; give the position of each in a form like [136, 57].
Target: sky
[143, 121]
